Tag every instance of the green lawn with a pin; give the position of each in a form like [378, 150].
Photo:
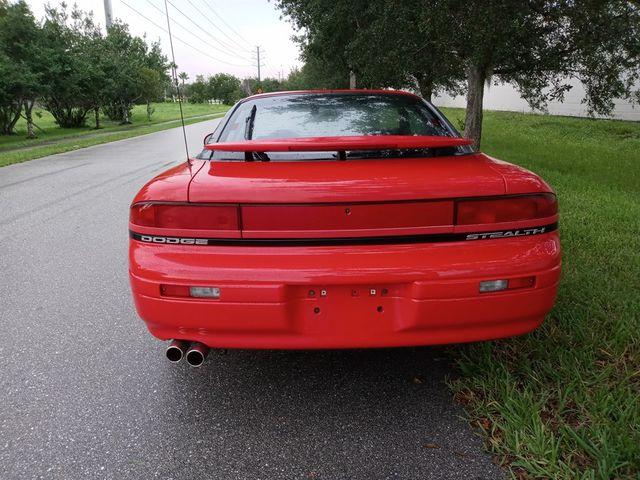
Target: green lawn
[53, 139]
[564, 401]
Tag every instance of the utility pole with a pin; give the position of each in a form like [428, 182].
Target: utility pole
[352, 80]
[108, 13]
[258, 53]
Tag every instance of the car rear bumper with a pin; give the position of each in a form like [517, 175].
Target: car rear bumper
[345, 296]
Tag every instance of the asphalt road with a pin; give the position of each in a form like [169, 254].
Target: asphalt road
[87, 393]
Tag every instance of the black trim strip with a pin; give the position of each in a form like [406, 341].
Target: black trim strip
[387, 240]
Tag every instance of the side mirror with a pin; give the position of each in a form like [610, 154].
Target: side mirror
[207, 139]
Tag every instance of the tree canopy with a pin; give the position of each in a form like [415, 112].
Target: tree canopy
[21, 79]
[538, 46]
[66, 64]
[71, 68]
[222, 87]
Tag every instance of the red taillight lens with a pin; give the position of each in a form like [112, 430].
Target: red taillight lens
[187, 217]
[507, 209]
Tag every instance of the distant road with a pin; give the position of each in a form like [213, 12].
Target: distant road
[87, 393]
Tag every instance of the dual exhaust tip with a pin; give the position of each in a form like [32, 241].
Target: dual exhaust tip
[194, 352]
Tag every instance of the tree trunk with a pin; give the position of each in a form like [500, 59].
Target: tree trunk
[426, 89]
[96, 114]
[10, 116]
[148, 110]
[125, 114]
[28, 109]
[352, 80]
[476, 76]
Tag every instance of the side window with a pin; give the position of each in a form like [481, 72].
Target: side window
[207, 154]
[213, 137]
[234, 130]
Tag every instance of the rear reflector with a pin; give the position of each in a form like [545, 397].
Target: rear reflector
[184, 216]
[522, 282]
[506, 209]
[493, 285]
[487, 286]
[174, 291]
[204, 292]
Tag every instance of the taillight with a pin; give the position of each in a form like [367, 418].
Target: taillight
[506, 209]
[184, 216]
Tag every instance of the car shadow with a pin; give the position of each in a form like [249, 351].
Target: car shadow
[377, 413]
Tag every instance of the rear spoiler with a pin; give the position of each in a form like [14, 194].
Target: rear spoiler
[322, 144]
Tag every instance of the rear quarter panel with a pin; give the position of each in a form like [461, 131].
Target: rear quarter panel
[172, 185]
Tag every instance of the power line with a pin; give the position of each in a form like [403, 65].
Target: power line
[179, 39]
[217, 28]
[225, 52]
[199, 27]
[224, 21]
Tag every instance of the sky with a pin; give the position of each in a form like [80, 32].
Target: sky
[203, 43]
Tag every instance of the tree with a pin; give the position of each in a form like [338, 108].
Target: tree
[127, 60]
[296, 80]
[198, 90]
[183, 76]
[385, 43]
[96, 77]
[125, 55]
[402, 44]
[20, 56]
[606, 51]
[536, 45]
[10, 99]
[265, 85]
[67, 72]
[152, 87]
[226, 88]
[326, 29]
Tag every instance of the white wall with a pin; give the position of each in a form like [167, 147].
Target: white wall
[505, 97]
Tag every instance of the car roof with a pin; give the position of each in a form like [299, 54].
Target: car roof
[336, 91]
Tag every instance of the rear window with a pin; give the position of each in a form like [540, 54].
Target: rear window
[329, 115]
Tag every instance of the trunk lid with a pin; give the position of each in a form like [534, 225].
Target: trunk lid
[353, 198]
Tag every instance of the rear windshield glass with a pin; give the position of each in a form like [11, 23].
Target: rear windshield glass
[327, 115]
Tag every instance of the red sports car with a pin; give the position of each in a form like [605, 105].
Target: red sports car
[340, 219]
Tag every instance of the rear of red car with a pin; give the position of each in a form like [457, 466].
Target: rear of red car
[285, 235]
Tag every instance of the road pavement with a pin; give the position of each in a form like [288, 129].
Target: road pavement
[87, 393]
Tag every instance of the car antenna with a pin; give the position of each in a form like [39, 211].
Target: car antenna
[174, 67]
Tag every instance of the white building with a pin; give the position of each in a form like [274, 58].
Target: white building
[505, 97]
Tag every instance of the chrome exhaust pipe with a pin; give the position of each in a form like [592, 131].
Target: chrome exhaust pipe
[197, 354]
[176, 350]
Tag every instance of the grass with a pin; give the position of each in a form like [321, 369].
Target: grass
[53, 139]
[564, 401]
